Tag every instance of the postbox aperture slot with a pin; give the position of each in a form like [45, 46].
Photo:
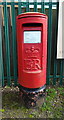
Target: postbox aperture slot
[32, 36]
[32, 25]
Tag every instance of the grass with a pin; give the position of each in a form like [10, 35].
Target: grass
[53, 106]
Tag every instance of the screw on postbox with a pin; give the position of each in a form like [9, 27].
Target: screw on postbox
[32, 49]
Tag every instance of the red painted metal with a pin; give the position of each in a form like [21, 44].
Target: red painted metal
[32, 57]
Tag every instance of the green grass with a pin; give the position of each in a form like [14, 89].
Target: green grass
[53, 107]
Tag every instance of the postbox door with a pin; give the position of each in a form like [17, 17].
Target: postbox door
[32, 40]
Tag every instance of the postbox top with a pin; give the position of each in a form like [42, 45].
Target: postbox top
[31, 14]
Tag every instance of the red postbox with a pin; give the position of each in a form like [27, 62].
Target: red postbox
[32, 49]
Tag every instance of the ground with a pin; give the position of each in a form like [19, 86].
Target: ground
[53, 106]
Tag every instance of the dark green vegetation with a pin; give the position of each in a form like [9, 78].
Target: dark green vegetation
[53, 107]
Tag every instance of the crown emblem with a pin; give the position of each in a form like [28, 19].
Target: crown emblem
[32, 52]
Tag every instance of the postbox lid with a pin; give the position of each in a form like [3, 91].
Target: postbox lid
[31, 14]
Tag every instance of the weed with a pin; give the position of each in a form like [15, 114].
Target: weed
[2, 110]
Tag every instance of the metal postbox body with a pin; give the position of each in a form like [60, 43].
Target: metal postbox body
[32, 49]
